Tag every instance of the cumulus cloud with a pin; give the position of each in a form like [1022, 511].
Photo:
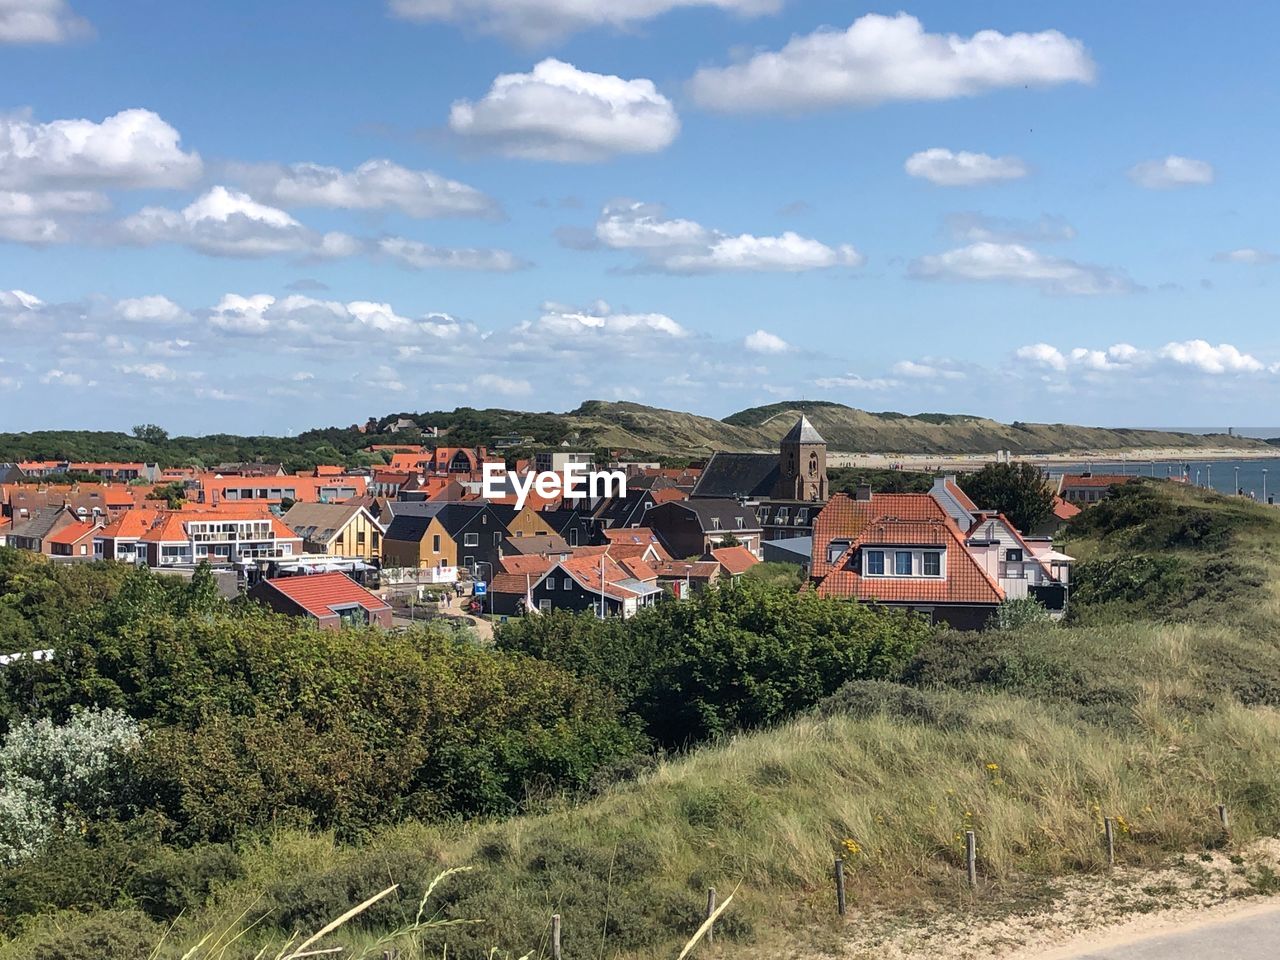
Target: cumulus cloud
[1198, 356]
[948, 168]
[533, 22]
[687, 247]
[762, 341]
[132, 149]
[969, 226]
[880, 59]
[853, 381]
[1170, 172]
[928, 369]
[154, 309]
[1248, 255]
[155, 372]
[560, 113]
[66, 378]
[374, 185]
[507, 386]
[43, 217]
[40, 21]
[306, 321]
[1016, 263]
[228, 223]
[421, 256]
[565, 327]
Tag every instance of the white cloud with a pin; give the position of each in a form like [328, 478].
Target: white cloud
[305, 321]
[1206, 358]
[133, 148]
[853, 381]
[1248, 255]
[1015, 263]
[560, 113]
[1172, 171]
[228, 223]
[947, 168]
[880, 59]
[686, 247]
[421, 256]
[66, 378]
[374, 185]
[40, 21]
[540, 21]
[762, 341]
[561, 326]
[38, 218]
[153, 309]
[507, 386]
[1197, 356]
[156, 372]
[977, 226]
[928, 369]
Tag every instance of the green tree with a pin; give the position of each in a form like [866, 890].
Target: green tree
[1018, 490]
[150, 433]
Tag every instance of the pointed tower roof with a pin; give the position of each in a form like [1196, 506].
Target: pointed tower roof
[803, 432]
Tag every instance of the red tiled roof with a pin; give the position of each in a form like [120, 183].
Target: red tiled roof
[693, 569]
[1064, 510]
[1096, 479]
[131, 524]
[72, 533]
[961, 497]
[667, 494]
[531, 563]
[896, 520]
[319, 593]
[735, 560]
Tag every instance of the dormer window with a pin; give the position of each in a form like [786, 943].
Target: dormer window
[715, 523]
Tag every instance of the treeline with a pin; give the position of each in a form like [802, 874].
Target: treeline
[183, 725]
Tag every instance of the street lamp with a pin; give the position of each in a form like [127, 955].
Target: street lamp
[1237, 469]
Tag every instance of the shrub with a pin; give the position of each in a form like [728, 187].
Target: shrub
[174, 881]
[55, 777]
[1020, 612]
[106, 935]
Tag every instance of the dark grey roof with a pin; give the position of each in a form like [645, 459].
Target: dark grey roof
[540, 543]
[738, 475]
[726, 511]
[803, 432]
[408, 528]
[454, 516]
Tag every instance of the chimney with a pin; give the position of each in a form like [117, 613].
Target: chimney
[862, 493]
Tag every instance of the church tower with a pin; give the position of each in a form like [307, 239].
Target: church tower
[802, 463]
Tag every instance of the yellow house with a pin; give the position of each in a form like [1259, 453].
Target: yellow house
[528, 522]
[338, 529]
[415, 541]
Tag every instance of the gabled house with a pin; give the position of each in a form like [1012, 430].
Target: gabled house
[220, 536]
[338, 529]
[75, 540]
[33, 530]
[693, 528]
[1083, 489]
[118, 540]
[444, 534]
[331, 600]
[901, 550]
[1023, 566]
[593, 582]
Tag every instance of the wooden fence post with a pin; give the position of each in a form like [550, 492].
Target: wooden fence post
[971, 857]
[1109, 828]
[711, 912]
[555, 936]
[840, 902]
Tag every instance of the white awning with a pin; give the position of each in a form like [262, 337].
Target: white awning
[1053, 556]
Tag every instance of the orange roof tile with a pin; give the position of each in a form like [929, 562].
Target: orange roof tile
[319, 593]
[735, 560]
[72, 533]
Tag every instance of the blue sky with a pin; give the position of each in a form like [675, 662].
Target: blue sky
[247, 216]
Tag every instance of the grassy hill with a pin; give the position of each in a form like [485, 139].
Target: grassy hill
[634, 427]
[1154, 703]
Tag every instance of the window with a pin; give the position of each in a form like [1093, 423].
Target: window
[435, 543]
[544, 605]
[573, 537]
[933, 564]
[359, 538]
[471, 539]
[739, 519]
[781, 515]
[902, 563]
[802, 515]
[875, 563]
[715, 523]
[568, 583]
[1013, 556]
